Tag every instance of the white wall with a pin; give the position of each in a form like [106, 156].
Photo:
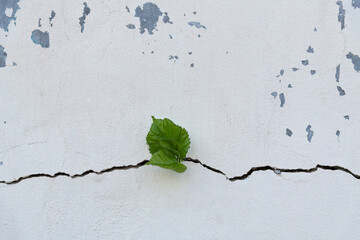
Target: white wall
[85, 102]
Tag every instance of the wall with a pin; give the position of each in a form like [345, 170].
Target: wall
[256, 83]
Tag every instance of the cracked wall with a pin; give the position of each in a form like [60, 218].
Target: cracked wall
[257, 84]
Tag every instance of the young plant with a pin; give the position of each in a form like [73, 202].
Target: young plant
[168, 144]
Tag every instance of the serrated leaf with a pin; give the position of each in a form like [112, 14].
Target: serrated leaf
[166, 136]
[163, 160]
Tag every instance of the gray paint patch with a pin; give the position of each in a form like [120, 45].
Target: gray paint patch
[289, 132]
[149, 16]
[347, 117]
[355, 59]
[51, 17]
[341, 15]
[313, 72]
[3, 56]
[355, 3]
[337, 74]
[310, 133]
[130, 26]
[5, 20]
[41, 38]
[274, 94]
[310, 49]
[86, 11]
[305, 62]
[196, 24]
[282, 99]
[295, 69]
[166, 18]
[341, 91]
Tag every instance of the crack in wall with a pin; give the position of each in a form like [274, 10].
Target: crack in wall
[231, 179]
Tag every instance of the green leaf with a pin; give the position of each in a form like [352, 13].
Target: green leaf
[163, 160]
[166, 136]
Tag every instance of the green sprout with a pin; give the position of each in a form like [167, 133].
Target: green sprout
[168, 144]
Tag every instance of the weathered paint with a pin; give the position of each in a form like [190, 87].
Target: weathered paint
[86, 12]
[166, 18]
[130, 26]
[282, 99]
[310, 133]
[274, 94]
[52, 16]
[341, 14]
[5, 20]
[337, 73]
[41, 38]
[341, 91]
[355, 3]
[305, 62]
[312, 72]
[197, 24]
[355, 59]
[149, 16]
[289, 132]
[3, 56]
[310, 49]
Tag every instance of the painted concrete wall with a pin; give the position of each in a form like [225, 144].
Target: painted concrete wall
[256, 83]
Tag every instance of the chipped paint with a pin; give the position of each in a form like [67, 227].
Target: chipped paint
[341, 91]
[148, 16]
[127, 9]
[312, 72]
[290, 86]
[338, 133]
[282, 99]
[355, 59]
[166, 18]
[295, 69]
[305, 62]
[3, 56]
[86, 12]
[192, 65]
[39, 22]
[347, 117]
[355, 3]
[310, 133]
[310, 49]
[175, 57]
[130, 26]
[341, 14]
[289, 132]
[274, 94]
[337, 74]
[53, 14]
[282, 72]
[41, 38]
[197, 24]
[4, 19]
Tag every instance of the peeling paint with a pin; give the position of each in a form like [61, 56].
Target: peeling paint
[4, 19]
[53, 14]
[130, 26]
[127, 9]
[355, 59]
[282, 99]
[3, 56]
[355, 3]
[305, 62]
[149, 16]
[41, 38]
[166, 18]
[289, 132]
[295, 69]
[197, 24]
[290, 86]
[310, 133]
[341, 91]
[337, 74]
[86, 11]
[175, 57]
[312, 72]
[310, 49]
[341, 15]
[282, 72]
[274, 94]
[347, 117]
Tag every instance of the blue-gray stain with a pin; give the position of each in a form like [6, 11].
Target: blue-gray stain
[310, 49]
[312, 72]
[290, 86]
[149, 16]
[289, 132]
[39, 22]
[86, 11]
[274, 94]
[130, 26]
[341, 14]
[310, 133]
[282, 99]
[337, 74]
[5, 20]
[192, 65]
[3, 56]
[341, 91]
[127, 9]
[355, 3]
[305, 62]
[295, 69]
[282, 72]
[197, 24]
[41, 38]
[347, 117]
[173, 57]
[355, 59]
[338, 133]
[166, 18]
[51, 17]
